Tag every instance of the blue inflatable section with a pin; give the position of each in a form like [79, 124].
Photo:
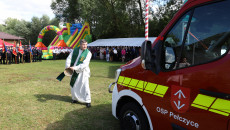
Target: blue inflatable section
[74, 27]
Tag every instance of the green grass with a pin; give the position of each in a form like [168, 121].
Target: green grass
[32, 98]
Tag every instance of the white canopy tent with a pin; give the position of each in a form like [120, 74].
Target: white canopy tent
[137, 42]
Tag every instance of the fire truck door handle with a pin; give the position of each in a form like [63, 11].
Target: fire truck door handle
[215, 94]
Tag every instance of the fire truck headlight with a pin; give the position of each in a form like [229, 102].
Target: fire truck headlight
[117, 74]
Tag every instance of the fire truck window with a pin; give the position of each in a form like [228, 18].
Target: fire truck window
[208, 37]
[173, 42]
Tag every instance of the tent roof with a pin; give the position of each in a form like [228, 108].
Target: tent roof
[120, 42]
[6, 43]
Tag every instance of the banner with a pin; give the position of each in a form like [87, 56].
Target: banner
[20, 50]
[30, 49]
[14, 49]
[4, 49]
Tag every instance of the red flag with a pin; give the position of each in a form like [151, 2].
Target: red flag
[3, 48]
[14, 49]
[20, 50]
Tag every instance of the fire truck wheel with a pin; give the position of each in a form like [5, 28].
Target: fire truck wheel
[132, 117]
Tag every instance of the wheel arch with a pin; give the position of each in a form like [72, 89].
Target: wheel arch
[124, 100]
[127, 96]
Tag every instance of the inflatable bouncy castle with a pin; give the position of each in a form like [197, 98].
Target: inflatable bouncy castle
[69, 37]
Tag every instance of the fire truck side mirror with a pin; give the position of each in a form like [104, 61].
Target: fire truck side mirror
[150, 57]
[146, 58]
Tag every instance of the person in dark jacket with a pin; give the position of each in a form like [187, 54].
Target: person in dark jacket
[39, 54]
[4, 57]
[0, 56]
[9, 55]
[35, 54]
[13, 56]
[24, 55]
[18, 54]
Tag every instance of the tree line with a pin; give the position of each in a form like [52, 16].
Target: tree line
[117, 18]
[30, 30]
[107, 18]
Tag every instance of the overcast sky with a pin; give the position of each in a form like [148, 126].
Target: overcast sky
[24, 9]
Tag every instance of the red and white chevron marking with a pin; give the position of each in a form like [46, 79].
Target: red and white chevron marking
[147, 20]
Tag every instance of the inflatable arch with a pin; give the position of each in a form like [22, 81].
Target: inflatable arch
[48, 28]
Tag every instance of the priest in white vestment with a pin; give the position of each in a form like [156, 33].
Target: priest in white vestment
[78, 61]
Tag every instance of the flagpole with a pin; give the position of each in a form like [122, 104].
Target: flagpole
[20, 51]
[22, 57]
[147, 20]
[22, 54]
[6, 59]
[15, 57]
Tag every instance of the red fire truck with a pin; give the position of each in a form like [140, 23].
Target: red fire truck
[181, 81]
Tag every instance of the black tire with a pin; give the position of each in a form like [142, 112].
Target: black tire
[132, 117]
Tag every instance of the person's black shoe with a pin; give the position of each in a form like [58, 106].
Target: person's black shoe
[88, 105]
[74, 101]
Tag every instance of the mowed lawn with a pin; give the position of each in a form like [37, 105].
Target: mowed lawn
[32, 98]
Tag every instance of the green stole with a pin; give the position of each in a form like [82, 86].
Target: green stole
[80, 60]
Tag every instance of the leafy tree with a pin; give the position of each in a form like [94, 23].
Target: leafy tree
[67, 10]
[30, 30]
[22, 29]
[10, 24]
[116, 18]
[2, 28]
[164, 13]
[107, 18]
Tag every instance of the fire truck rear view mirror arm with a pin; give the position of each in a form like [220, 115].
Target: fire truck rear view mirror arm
[150, 57]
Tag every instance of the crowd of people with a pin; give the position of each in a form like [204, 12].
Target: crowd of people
[122, 54]
[61, 52]
[115, 53]
[10, 57]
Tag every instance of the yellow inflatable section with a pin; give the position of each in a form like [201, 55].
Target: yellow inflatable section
[82, 34]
